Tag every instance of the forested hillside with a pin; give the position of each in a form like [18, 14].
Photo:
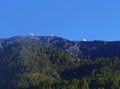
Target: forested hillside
[47, 62]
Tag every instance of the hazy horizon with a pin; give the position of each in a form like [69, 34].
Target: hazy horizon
[82, 39]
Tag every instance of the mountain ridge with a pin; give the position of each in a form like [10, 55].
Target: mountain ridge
[78, 48]
[35, 62]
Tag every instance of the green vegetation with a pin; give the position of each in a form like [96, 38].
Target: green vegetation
[26, 64]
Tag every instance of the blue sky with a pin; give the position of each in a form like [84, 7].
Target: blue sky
[71, 19]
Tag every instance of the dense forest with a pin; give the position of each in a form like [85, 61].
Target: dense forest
[34, 62]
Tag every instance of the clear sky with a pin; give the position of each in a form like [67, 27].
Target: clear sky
[71, 19]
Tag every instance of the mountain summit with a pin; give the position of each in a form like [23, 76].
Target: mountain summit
[93, 49]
